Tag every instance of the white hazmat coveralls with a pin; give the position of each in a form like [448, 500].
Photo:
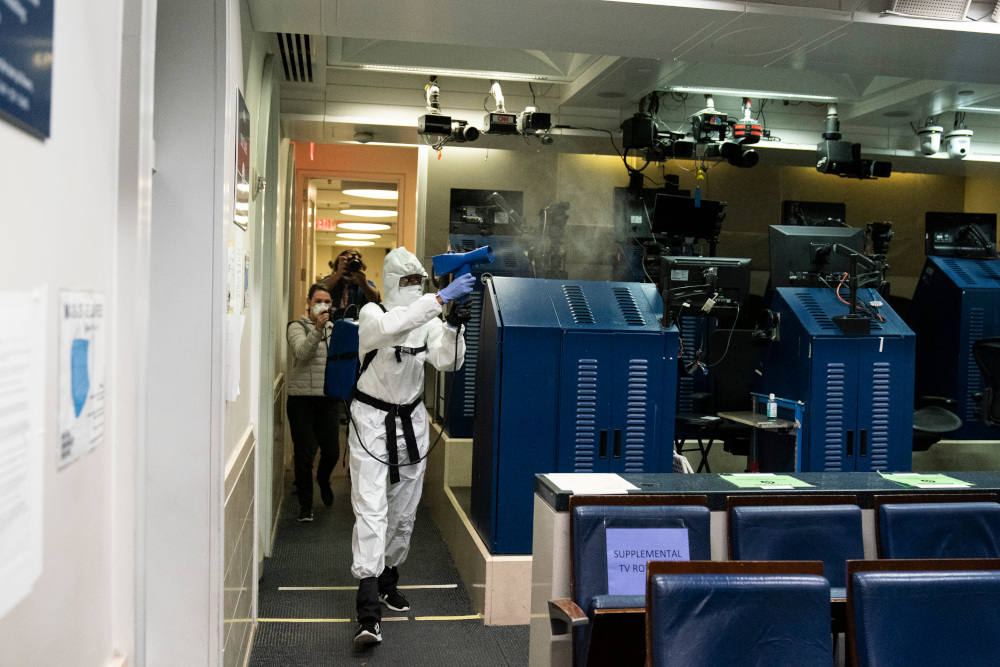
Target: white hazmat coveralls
[384, 512]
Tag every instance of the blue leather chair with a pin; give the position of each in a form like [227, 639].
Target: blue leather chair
[706, 620]
[828, 533]
[939, 530]
[924, 618]
[593, 613]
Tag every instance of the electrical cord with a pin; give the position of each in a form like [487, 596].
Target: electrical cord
[729, 339]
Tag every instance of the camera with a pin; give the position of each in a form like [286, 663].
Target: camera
[353, 264]
[958, 143]
[930, 139]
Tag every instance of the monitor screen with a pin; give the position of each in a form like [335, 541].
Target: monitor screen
[679, 217]
[794, 258]
[733, 279]
[814, 213]
[971, 235]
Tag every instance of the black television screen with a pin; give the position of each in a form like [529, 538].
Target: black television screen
[732, 283]
[795, 260]
[681, 217]
[814, 213]
[478, 212]
[971, 235]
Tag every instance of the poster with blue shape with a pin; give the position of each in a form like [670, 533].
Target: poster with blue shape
[81, 374]
[26, 64]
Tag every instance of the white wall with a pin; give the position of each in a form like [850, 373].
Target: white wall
[59, 219]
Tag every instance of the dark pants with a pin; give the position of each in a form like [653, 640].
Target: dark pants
[314, 422]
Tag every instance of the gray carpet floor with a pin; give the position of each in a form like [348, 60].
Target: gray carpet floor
[318, 554]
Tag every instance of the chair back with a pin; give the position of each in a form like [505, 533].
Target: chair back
[705, 620]
[924, 614]
[828, 533]
[939, 530]
[590, 525]
[986, 352]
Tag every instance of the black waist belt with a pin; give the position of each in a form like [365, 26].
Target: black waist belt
[392, 411]
[400, 350]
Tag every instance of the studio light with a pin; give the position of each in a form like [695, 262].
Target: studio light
[760, 94]
[354, 243]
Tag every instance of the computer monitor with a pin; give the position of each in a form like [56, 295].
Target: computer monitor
[681, 217]
[970, 235]
[795, 261]
[813, 213]
[732, 281]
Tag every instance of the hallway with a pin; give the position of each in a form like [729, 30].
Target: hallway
[306, 599]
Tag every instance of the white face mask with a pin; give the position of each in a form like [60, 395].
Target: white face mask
[410, 294]
[320, 308]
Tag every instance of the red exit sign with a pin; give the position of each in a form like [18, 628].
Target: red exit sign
[326, 225]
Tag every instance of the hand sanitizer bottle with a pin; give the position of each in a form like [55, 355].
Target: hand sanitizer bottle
[772, 408]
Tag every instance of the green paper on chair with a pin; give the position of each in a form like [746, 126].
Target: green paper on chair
[763, 480]
[925, 480]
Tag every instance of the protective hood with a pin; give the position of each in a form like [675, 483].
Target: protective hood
[398, 263]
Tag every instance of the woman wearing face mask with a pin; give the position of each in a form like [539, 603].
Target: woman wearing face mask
[313, 418]
[388, 437]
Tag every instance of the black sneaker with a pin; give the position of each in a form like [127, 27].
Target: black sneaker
[368, 633]
[394, 601]
[305, 514]
[326, 493]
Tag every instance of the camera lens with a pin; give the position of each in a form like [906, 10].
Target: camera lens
[353, 265]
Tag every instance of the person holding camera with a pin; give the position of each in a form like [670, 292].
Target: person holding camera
[348, 283]
[313, 417]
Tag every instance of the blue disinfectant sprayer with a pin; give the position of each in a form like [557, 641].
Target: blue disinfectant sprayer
[460, 263]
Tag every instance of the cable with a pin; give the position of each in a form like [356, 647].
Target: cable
[729, 339]
[531, 88]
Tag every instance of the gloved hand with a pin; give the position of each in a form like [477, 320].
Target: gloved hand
[457, 288]
[459, 315]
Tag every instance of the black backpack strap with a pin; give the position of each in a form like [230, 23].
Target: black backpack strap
[370, 355]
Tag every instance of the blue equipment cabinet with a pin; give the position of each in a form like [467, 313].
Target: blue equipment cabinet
[957, 302]
[573, 376]
[509, 259]
[857, 390]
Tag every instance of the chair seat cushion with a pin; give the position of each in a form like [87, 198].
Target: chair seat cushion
[615, 602]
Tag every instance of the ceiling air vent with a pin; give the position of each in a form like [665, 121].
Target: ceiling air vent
[944, 10]
[296, 56]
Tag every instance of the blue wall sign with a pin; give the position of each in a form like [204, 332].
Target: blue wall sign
[630, 548]
[26, 64]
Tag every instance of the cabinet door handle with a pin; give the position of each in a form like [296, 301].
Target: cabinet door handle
[850, 444]
[618, 443]
[602, 452]
[863, 443]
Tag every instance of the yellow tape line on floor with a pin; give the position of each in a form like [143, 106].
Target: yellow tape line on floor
[470, 617]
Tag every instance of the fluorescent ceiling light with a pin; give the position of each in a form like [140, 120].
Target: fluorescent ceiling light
[370, 212]
[359, 236]
[760, 94]
[370, 190]
[979, 109]
[354, 243]
[467, 73]
[363, 226]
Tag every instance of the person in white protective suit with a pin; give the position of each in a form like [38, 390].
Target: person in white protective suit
[389, 435]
